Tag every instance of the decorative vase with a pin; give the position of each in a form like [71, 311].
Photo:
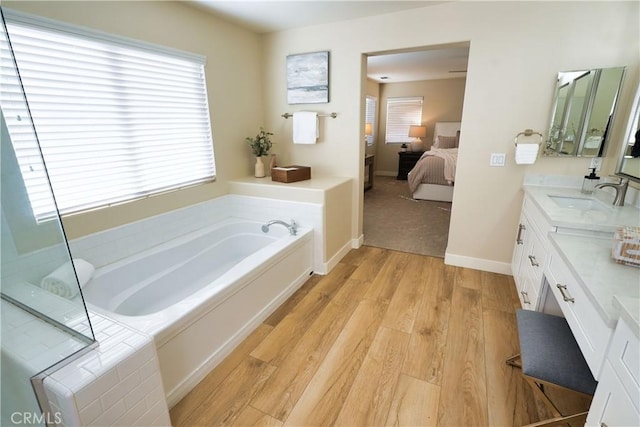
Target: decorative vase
[259, 168]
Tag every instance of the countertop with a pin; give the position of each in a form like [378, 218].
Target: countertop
[584, 240]
[603, 220]
[602, 279]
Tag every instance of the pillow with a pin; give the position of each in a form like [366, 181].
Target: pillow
[446, 142]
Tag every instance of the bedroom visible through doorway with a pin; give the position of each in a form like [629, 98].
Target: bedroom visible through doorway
[435, 75]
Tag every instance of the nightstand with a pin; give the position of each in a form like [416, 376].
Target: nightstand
[368, 171]
[406, 161]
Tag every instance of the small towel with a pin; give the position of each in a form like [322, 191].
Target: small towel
[526, 154]
[62, 280]
[305, 127]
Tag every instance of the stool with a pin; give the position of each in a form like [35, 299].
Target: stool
[549, 354]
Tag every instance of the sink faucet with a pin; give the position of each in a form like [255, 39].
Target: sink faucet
[621, 190]
[293, 227]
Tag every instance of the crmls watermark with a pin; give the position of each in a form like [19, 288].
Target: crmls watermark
[36, 418]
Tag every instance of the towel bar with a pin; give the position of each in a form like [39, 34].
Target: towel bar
[332, 115]
[528, 132]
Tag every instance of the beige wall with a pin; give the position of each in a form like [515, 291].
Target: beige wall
[516, 51]
[442, 103]
[373, 89]
[233, 86]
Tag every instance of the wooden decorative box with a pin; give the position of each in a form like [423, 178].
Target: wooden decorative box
[292, 173]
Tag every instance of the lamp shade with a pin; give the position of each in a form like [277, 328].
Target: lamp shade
[368, 129]
[417, 131]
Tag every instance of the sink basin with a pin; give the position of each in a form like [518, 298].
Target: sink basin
[579, 203]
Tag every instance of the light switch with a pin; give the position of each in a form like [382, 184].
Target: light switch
[497, 159]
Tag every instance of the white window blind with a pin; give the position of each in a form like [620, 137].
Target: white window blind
[402, 113]
[370, 117]
[116, 119]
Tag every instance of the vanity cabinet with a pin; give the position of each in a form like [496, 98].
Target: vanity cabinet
[617, 397]
[589, 329]
[530, 255]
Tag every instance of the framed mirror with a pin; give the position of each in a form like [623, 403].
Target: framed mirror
[583, 111]
[629, 163]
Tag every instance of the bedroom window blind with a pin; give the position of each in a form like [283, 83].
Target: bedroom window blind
[402, 113]
[116, 119]
[370, 117]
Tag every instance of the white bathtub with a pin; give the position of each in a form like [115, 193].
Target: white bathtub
[199, 295]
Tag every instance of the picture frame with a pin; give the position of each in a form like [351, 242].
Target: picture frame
[308, 78]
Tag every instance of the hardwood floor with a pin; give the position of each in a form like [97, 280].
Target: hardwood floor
[387, 338]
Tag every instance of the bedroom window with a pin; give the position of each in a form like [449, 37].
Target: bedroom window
[402, 113]
[370, 117]
[117, 119]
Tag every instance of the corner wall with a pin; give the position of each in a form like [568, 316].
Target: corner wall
[516, 51]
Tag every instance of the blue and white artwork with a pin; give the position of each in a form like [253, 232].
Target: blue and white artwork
[308, 78]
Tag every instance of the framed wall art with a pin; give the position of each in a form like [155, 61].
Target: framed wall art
[308, 78]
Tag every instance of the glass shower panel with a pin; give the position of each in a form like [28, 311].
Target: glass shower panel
[41, 324]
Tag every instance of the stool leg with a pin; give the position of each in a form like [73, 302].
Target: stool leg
[512, 361]
[559, 420]
[537, 389]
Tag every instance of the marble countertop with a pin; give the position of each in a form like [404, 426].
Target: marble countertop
[605, 219]
[602, 279]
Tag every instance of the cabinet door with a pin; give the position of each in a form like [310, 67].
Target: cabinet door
[611, 405]
[520, 248]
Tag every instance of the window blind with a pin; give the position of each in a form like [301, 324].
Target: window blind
[370, 117]
[402, 113]
[116, 120]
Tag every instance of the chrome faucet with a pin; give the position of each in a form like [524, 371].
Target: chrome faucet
[293, 227]
[621, 190]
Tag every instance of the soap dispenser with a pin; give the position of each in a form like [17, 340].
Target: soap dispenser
[590, 182]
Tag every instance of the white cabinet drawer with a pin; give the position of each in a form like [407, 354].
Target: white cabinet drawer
[589, 329]
[611, 405]
[536, 258]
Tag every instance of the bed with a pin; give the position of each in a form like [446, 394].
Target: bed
[432, 178]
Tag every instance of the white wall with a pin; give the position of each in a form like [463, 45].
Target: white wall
[516, 51]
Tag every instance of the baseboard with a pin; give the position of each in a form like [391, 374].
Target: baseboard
[386, 173]
[356, 243]
[328, 266]
[477, 263]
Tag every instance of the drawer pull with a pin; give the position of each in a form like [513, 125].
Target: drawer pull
[524, 297]
[533, 261]
[521, 228]
[565, 293]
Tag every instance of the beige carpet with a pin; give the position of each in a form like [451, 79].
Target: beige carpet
[393, 220]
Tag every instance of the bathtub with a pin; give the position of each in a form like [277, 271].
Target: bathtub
[201, 294]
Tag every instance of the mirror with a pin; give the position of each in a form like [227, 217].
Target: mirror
[583, 111]
[629, 163]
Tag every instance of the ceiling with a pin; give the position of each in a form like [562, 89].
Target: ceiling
[265, 16]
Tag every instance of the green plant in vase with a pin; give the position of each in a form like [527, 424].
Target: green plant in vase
[260, 146]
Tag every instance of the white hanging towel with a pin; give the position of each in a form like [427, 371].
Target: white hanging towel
[305, 127]
[526, 154]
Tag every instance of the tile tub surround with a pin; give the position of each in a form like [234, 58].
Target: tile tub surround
[117, 383]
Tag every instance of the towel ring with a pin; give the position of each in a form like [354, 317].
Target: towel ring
[528, 132]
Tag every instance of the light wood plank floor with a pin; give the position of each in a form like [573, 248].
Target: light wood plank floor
[387, 338]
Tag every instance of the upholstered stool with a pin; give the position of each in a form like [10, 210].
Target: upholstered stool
[549, 354]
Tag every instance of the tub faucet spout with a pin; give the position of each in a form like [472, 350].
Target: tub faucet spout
[293, 227]
[621, 190]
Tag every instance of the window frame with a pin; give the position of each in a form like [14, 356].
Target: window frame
[402, 112]
[155, 149]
